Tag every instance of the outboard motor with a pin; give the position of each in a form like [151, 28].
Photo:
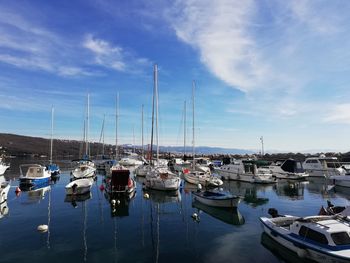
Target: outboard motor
[273, 212]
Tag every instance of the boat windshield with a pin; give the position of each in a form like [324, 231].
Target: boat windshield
[331, 163]
[341, 238]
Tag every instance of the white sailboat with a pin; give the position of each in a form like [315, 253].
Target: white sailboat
[85, 168]
[53, 168]
[195, 176]
[159, 178]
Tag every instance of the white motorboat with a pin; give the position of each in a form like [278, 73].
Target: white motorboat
[195, 177]
[160, 178]
[84, 169]
[245, 171]
[319, 238]
[143, 169]
[216, 198]
[129, 161]
[341, 180]
[36, 174]
[323, 166]
[288, 169]
[3, 166]
[79, 186]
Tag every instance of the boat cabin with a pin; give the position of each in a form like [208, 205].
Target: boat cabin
[291, 166]
[322, 230]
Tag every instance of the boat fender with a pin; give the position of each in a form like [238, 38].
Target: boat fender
[146, 195]
[302, 253]
[118, 202]
[113, 202]
[18, 191]
[199, 187]
[43, 228]
[195, 217]
[102, 188]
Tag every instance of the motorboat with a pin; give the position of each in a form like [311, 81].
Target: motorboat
[79, 186]
[245, 171]
[319, 238]
[323, 166]
[341, 180]
[130, 161]
[160, 178]
[36, 174]
[85, 168]
[288, 169]
[143, 169]
[3, 166]
[196, 177]
[216, 198]
[120, 180]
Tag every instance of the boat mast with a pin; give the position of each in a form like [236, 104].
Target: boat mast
[154, 87]
[184, 129]
[102, 135]
[116, 126]
[87, 128]
[193, 143]
[142, 131]
[157, 113]
[51, 143]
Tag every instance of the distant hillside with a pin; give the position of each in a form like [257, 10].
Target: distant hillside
[206, 150]
[19, 145]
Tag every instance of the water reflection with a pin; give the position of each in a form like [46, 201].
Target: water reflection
[4, 209]
[249, 192]
[319, 185]
[230, 216]
[35, 193]
[75, 199]
[291, 189]
[281, 252]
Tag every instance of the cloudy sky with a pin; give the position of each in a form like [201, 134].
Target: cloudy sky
[278, 69]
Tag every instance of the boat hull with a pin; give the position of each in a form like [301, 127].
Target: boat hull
[342, 180]
[34, 181]
[250, 178]
[78, 187]
[283, 237]
[227, 202]
[157, 183]
[3, 168]
[203, 179]
[5, 187]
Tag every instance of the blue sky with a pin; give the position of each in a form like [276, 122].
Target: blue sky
[274, 68]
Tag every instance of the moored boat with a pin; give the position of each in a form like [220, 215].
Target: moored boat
[79, 186]
[216, 198]
[36, 174]
[288, 169]
[319, 238]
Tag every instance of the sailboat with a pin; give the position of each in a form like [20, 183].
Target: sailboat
[52, 168]
[119, 180]
[195, 176]
[159, 178]
[85, 168]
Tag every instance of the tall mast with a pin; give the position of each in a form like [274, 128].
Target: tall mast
[116, 126]
[87, 127]
[262, 146]
[157, 113]
[184, 129]
[133, 138]
[142, 131]
[154, 77]
[102, 135]
[51, 143]
[193, 142]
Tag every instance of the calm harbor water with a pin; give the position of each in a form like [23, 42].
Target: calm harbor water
[157, 229]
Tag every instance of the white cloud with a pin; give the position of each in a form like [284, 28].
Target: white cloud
[113, 56]
[340, 114]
